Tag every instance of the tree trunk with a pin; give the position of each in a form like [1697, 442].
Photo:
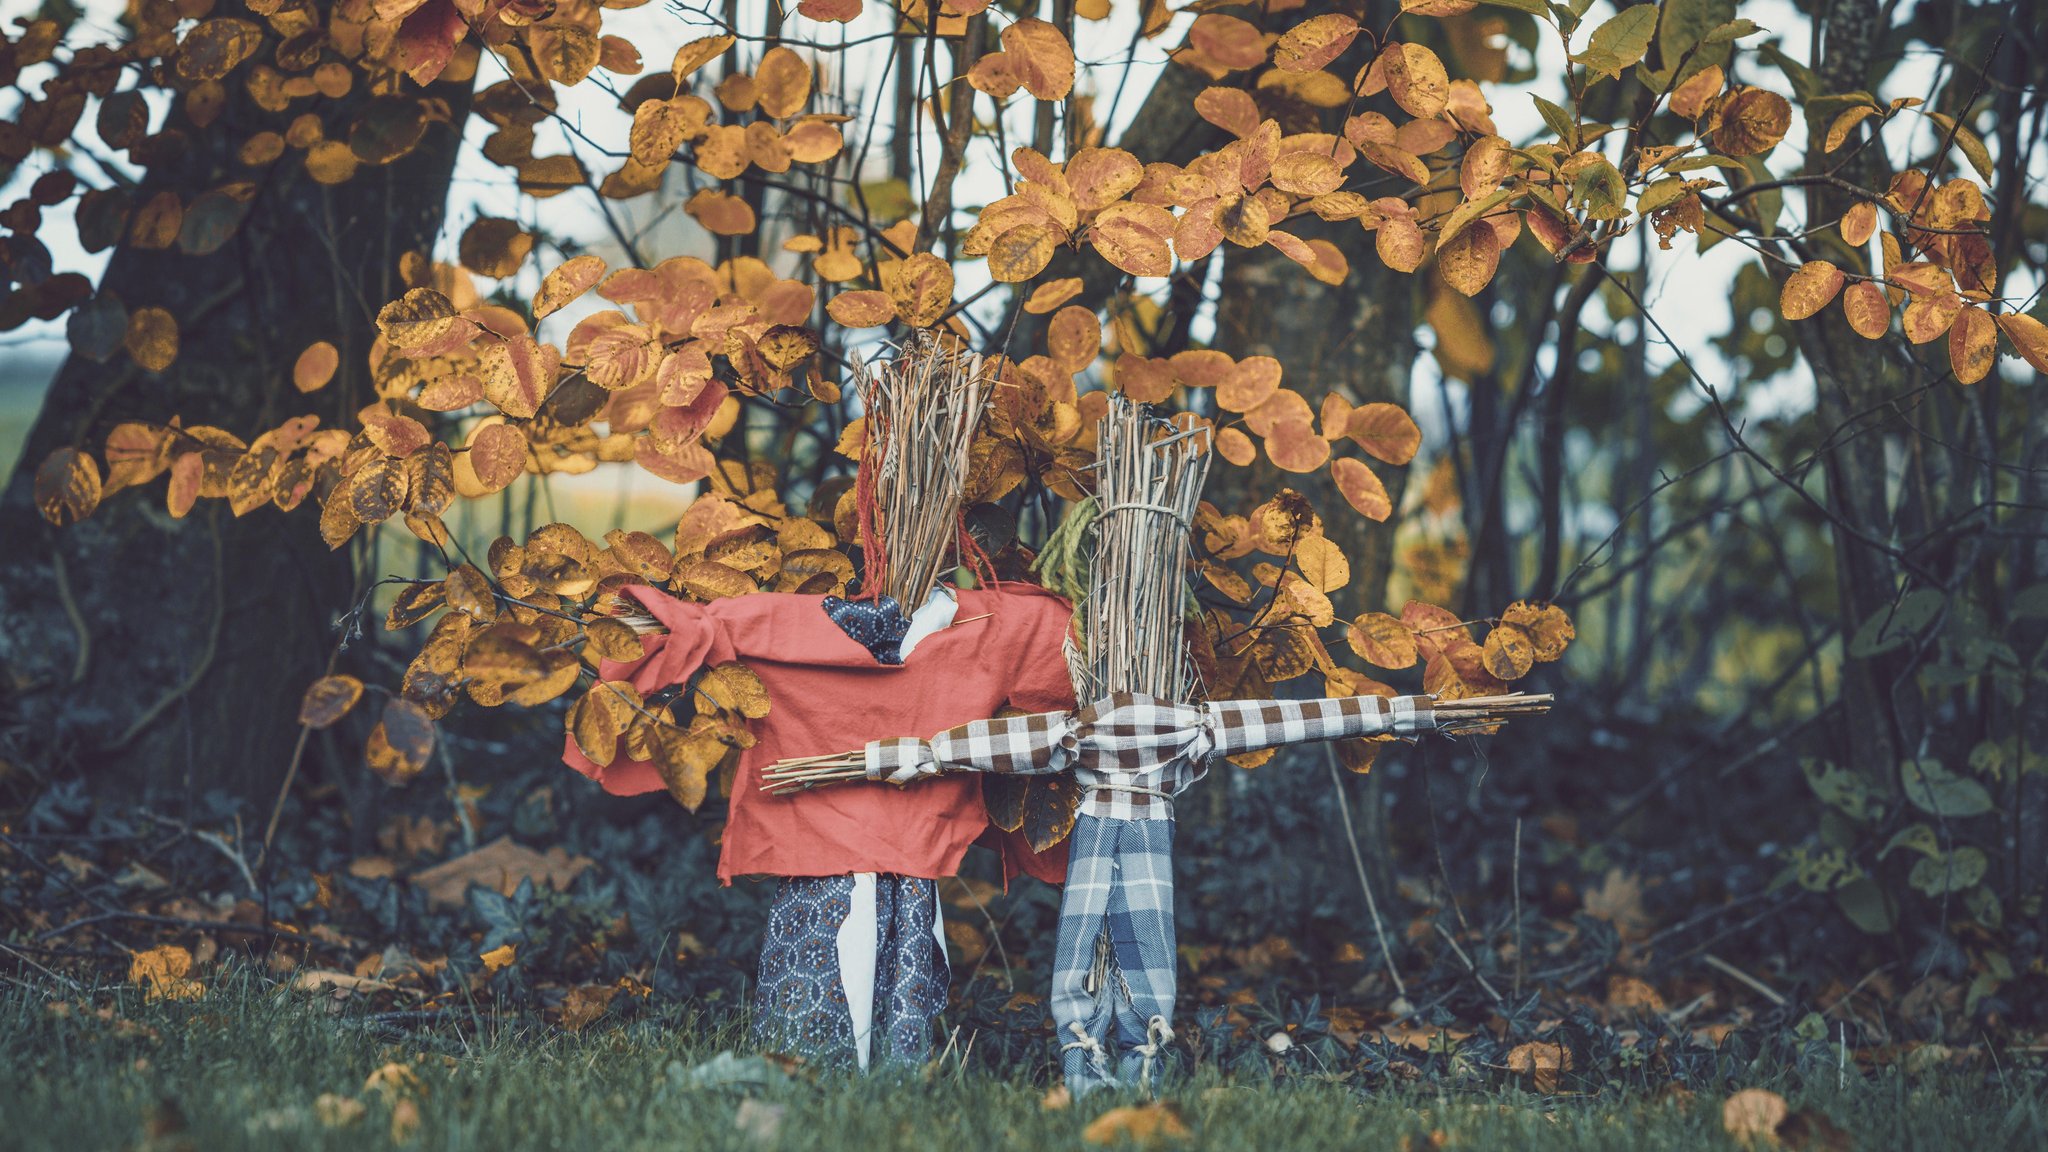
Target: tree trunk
[1852, 375]
[147, 650]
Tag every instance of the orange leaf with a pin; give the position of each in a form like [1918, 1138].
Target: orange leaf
[2028, 335]
[1314, 42]
[1928, 316]
[1230, 109]
[1293, 446]
[1810, 289]
[567, 281]
[1859, 223]
[782, 82]
[1051, 294]
[315, 366]
[1972, 345]
[863, 309]
[1386, 431]
[1690, 98]
[1382, 641]
[1361, 489]
[1865, 307]
[1043, 59]
[1416, 79]
[1233, 445]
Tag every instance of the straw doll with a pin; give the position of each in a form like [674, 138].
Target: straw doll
[853, 968]
[1141, 742]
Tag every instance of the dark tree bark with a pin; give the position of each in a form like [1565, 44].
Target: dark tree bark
[146, 650]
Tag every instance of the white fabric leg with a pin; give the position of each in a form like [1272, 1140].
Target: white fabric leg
[859, 938]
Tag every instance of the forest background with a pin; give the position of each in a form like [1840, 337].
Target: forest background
[1678, 360]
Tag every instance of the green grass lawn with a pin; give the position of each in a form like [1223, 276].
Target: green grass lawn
[246, 1066]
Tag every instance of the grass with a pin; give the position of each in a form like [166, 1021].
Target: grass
[247, 1066]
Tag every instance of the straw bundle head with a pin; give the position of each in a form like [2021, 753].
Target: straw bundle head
[1149, 476]
[922, 405]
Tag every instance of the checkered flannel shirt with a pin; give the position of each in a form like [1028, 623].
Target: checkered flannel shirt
[1132, 754]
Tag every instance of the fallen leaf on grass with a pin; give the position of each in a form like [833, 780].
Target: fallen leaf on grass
[1541, 1062]
[395, 1081]
[1753, 1115]
[1145, 1125]
[499, 957]
[336, 1111]
[405, 1121]
[327, 979]
[501, 864]
[162, 973]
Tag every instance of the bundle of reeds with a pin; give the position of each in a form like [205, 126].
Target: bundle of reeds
[922, 406]
[1148, 482]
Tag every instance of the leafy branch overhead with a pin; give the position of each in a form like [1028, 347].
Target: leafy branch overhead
[719, 371]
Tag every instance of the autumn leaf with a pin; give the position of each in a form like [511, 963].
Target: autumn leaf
[163, 972]
[1752, 122]
[1809, 289]
[328, 699]
[1362, 490]
[1041, 56]
[1382, 641]
[315, 366]
[1145, 1125]
[1542, 1062]
[921, 287]
[1416, 79]
[1314, 42]
[67, 486]
[1753, 1116]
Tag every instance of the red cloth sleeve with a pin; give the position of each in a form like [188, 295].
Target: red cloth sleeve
[696, 639]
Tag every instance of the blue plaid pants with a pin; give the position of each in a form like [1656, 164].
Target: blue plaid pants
[1113, 1023]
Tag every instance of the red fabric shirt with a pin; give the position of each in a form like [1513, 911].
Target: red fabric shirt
[827, 694]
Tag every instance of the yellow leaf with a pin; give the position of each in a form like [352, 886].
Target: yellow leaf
[1509, 653]
[1810, 289]
[1753, 1115]
[1416, 79]
[1752, 122]
[163, 973]
[2028, 335]
[1382, 641]
[921, 286]
[1547, 626]
[499, 957]
[1972, 345]
[1041, 57]
[1541, 1062]
[67, 486]
[315, 366]
[1362, 490]
[1865, 307]
[1145, 1125]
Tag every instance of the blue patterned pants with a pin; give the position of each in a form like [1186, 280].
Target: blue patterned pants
[815, 961]
[1114, 1019]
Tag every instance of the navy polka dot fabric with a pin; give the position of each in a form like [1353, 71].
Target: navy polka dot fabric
[878, 626]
